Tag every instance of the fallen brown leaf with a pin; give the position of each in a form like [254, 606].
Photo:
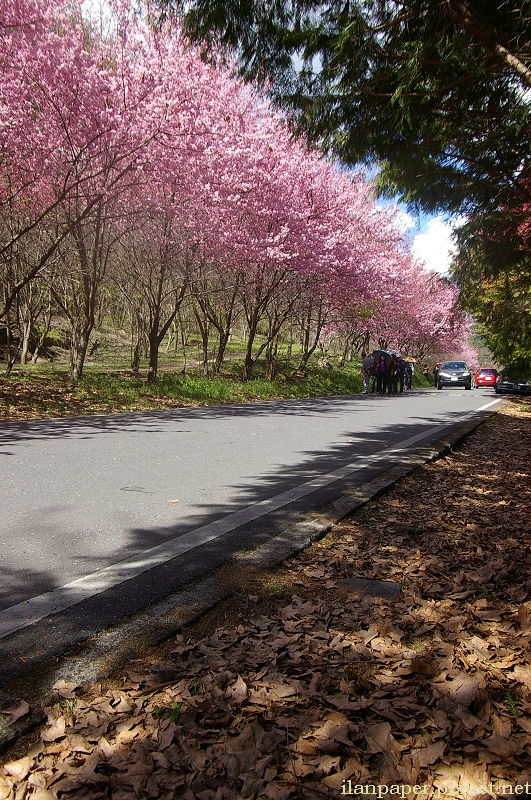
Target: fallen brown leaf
[280, 697]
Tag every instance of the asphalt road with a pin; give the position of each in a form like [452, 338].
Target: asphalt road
[101, 516]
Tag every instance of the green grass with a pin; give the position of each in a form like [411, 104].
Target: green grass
[44, 390]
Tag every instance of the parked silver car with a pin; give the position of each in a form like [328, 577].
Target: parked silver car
[454, 373]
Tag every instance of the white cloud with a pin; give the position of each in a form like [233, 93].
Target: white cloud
[435, 246]
[403, 220]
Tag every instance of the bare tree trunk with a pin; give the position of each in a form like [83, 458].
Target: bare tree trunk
[289, 351]
[78, 351]
[347, 351]
[224, 338]
[27, 329]
[219, 313]
[11, 349]
[271, 359]
[156, 337]
[249, 361]
[45, 330]
[154, 341]
[135, 356]
[183, 345]
[310, 348]
[172, 336]
[204, 330]
[92, 252]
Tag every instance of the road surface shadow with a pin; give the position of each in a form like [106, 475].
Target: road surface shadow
[94, 425]
[59, 632]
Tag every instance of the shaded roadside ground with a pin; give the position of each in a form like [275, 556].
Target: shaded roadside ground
[392, 658]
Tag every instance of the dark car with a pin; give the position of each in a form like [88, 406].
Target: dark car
[454, 373]
[514, 380]
[485, 376]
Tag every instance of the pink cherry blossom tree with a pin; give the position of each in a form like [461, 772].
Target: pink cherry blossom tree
[129, 142]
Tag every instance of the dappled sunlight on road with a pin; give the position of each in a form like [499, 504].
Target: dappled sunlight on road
[302, 685]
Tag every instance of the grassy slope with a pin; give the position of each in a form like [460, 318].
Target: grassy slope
[44, 391]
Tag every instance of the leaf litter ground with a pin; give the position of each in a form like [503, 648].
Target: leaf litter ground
[300, 686]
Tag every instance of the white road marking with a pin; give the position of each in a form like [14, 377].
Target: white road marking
[488, 405]
[36, 608]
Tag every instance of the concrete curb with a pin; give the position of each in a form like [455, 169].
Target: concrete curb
[110, 650]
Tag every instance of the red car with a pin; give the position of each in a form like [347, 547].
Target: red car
[485, 376]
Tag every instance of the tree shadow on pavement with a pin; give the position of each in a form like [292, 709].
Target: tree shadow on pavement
[91, 614]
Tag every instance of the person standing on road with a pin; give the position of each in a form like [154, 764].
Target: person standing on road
[374, 373]
[381, 375]
[436, 373]
[409, 375]
[366, 369]
[393, 375]
[401, 373]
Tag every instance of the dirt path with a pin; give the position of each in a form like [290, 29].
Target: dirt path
[303, 686]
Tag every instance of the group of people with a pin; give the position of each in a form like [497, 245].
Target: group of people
[385, 374]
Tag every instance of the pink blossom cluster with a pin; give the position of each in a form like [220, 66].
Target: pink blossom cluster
[138, 123]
